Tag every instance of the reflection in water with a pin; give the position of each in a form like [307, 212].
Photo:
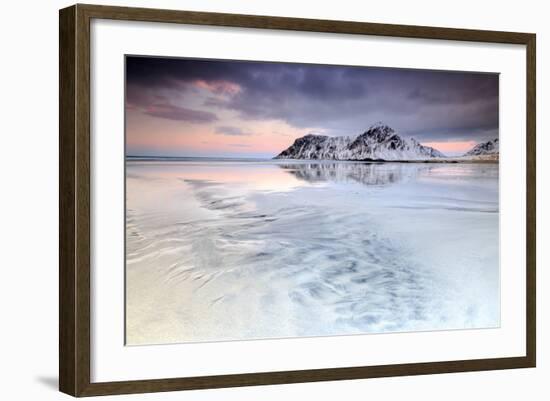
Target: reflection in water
[364, 173]
[373, 173]
[237, 250]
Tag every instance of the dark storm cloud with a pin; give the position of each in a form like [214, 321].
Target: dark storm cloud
[165, 72]
[258, 77]
[338, 100]
[171, 112]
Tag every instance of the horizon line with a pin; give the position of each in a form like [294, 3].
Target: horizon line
[199, 157]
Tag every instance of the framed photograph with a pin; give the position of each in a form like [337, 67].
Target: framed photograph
[250, 200]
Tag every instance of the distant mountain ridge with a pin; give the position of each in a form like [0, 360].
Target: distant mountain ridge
[485, 148]
[379, 142]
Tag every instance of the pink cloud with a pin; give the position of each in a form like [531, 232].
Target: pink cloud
[218, 86]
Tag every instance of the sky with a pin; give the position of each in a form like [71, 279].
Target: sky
[223, 108]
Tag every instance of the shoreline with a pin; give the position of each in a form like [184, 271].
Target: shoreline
[275, 159]
[398, 161]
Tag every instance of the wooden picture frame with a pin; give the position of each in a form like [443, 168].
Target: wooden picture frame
[74, 200]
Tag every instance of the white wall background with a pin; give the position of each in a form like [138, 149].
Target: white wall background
[28, 198]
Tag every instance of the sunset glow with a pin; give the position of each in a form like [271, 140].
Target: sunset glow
[189, 107]
[452, 148]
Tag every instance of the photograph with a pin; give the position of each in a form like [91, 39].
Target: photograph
[269, 200]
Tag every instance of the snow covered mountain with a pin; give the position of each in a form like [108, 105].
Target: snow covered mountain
[379, 142]
[484, 148]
